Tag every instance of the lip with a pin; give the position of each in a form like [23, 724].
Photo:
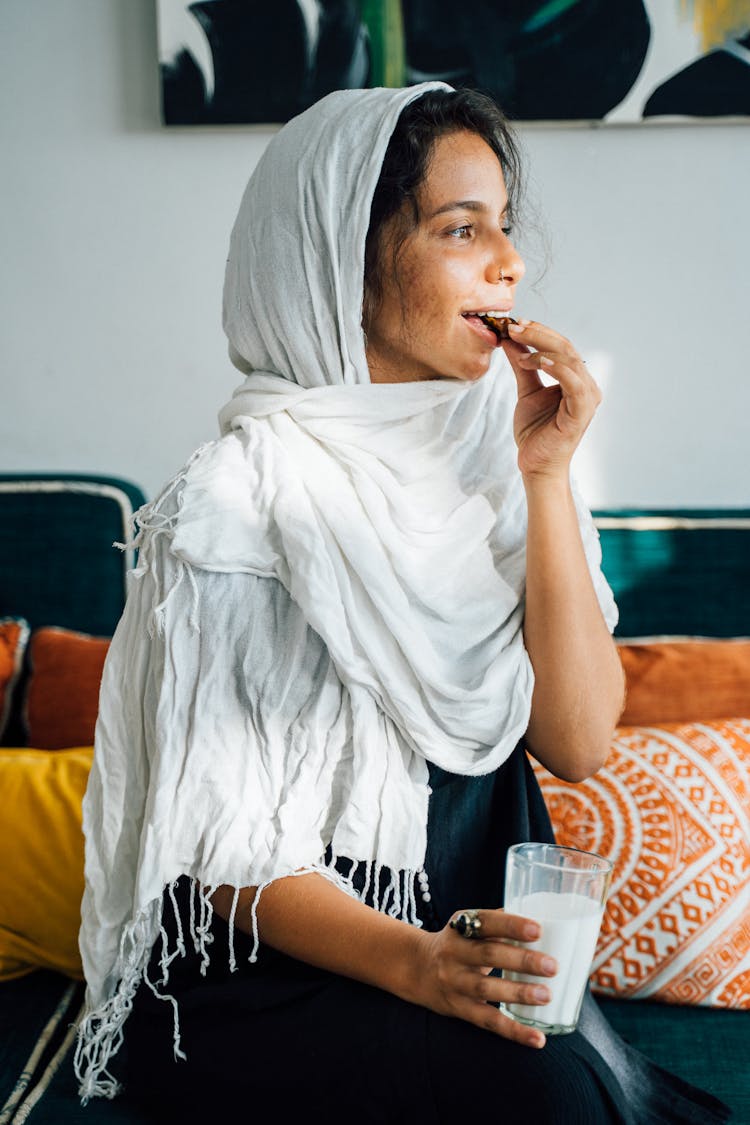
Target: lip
[499, 306]
[482, 330]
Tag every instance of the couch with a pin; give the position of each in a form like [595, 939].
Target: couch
[672, 805]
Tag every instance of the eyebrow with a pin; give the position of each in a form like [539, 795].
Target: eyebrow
[463, 205]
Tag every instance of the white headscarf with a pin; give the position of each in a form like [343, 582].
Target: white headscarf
[394, 516]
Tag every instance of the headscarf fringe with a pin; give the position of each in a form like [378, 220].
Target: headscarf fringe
[145, 526]
[100, 1034]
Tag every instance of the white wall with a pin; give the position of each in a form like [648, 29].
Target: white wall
[114, 232]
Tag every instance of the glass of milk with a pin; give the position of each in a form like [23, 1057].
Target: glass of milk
[564, 890]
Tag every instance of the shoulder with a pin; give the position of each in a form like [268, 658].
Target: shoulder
[217, 510]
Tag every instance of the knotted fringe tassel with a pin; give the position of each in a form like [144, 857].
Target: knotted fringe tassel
[100, 1034]
[148, 522]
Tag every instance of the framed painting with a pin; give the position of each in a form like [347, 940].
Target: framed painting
[566, 61]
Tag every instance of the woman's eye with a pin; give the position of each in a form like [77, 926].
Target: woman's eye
[463, 231]
[508, 231]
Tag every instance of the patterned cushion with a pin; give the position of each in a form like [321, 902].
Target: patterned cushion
[671, 808]
[14, 633]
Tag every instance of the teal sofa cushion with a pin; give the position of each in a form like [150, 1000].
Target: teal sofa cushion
[678, 571]
[708, 1047]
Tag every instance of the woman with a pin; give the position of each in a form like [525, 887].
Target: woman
[351, 617]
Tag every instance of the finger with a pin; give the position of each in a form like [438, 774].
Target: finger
[552, 362]
[551, 352]
[500, 924]
[514, 350]
[579, 388]
[527, 377]
[519, 1032]
[490, 1018]
[541, 360]
[546, 342]
[541, 338]
[494, 990]
[516, 958]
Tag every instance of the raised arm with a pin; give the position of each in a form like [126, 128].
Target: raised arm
[579, 683]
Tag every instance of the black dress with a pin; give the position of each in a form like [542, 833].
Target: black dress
[281, 1037]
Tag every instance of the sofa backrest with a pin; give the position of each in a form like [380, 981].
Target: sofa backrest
[678, 571]
[58, 565]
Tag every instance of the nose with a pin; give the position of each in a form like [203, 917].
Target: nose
[507, 265]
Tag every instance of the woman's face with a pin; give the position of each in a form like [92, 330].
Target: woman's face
[458, 260]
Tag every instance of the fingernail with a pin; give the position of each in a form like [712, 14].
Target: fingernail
[549, 966]
[531, 931]
[546, 361]
[541, 994]
[517, 327]
[537, 1041]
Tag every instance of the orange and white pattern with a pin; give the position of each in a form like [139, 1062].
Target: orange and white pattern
[671, 808]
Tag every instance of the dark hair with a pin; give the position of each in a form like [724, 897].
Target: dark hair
[407, 159]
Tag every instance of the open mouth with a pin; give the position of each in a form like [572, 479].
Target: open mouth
[497, 321]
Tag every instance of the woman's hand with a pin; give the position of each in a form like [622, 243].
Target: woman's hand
[578, 677]
[307, 917]
[453, 974]
[549, 421]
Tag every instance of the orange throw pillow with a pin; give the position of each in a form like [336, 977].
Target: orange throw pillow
[685, 681]
[671, 809]
[14, 633]
[62, 697]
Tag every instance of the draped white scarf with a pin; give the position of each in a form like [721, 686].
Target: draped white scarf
[394, 516]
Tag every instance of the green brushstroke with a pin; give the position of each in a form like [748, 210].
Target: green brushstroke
[547, 13]
[385, 25]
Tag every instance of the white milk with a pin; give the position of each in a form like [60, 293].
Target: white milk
[570, 928]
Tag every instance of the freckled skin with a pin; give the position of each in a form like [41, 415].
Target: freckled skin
[451, 263]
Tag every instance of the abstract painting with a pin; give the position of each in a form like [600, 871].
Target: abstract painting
[551, 61]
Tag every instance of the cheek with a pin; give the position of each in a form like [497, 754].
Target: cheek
[431, 292]
[417, 298]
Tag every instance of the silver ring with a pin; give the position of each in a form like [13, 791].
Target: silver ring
[467, 924]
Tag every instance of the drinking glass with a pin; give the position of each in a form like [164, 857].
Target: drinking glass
[564, 890]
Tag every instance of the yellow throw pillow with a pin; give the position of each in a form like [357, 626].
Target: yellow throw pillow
[41, 874]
